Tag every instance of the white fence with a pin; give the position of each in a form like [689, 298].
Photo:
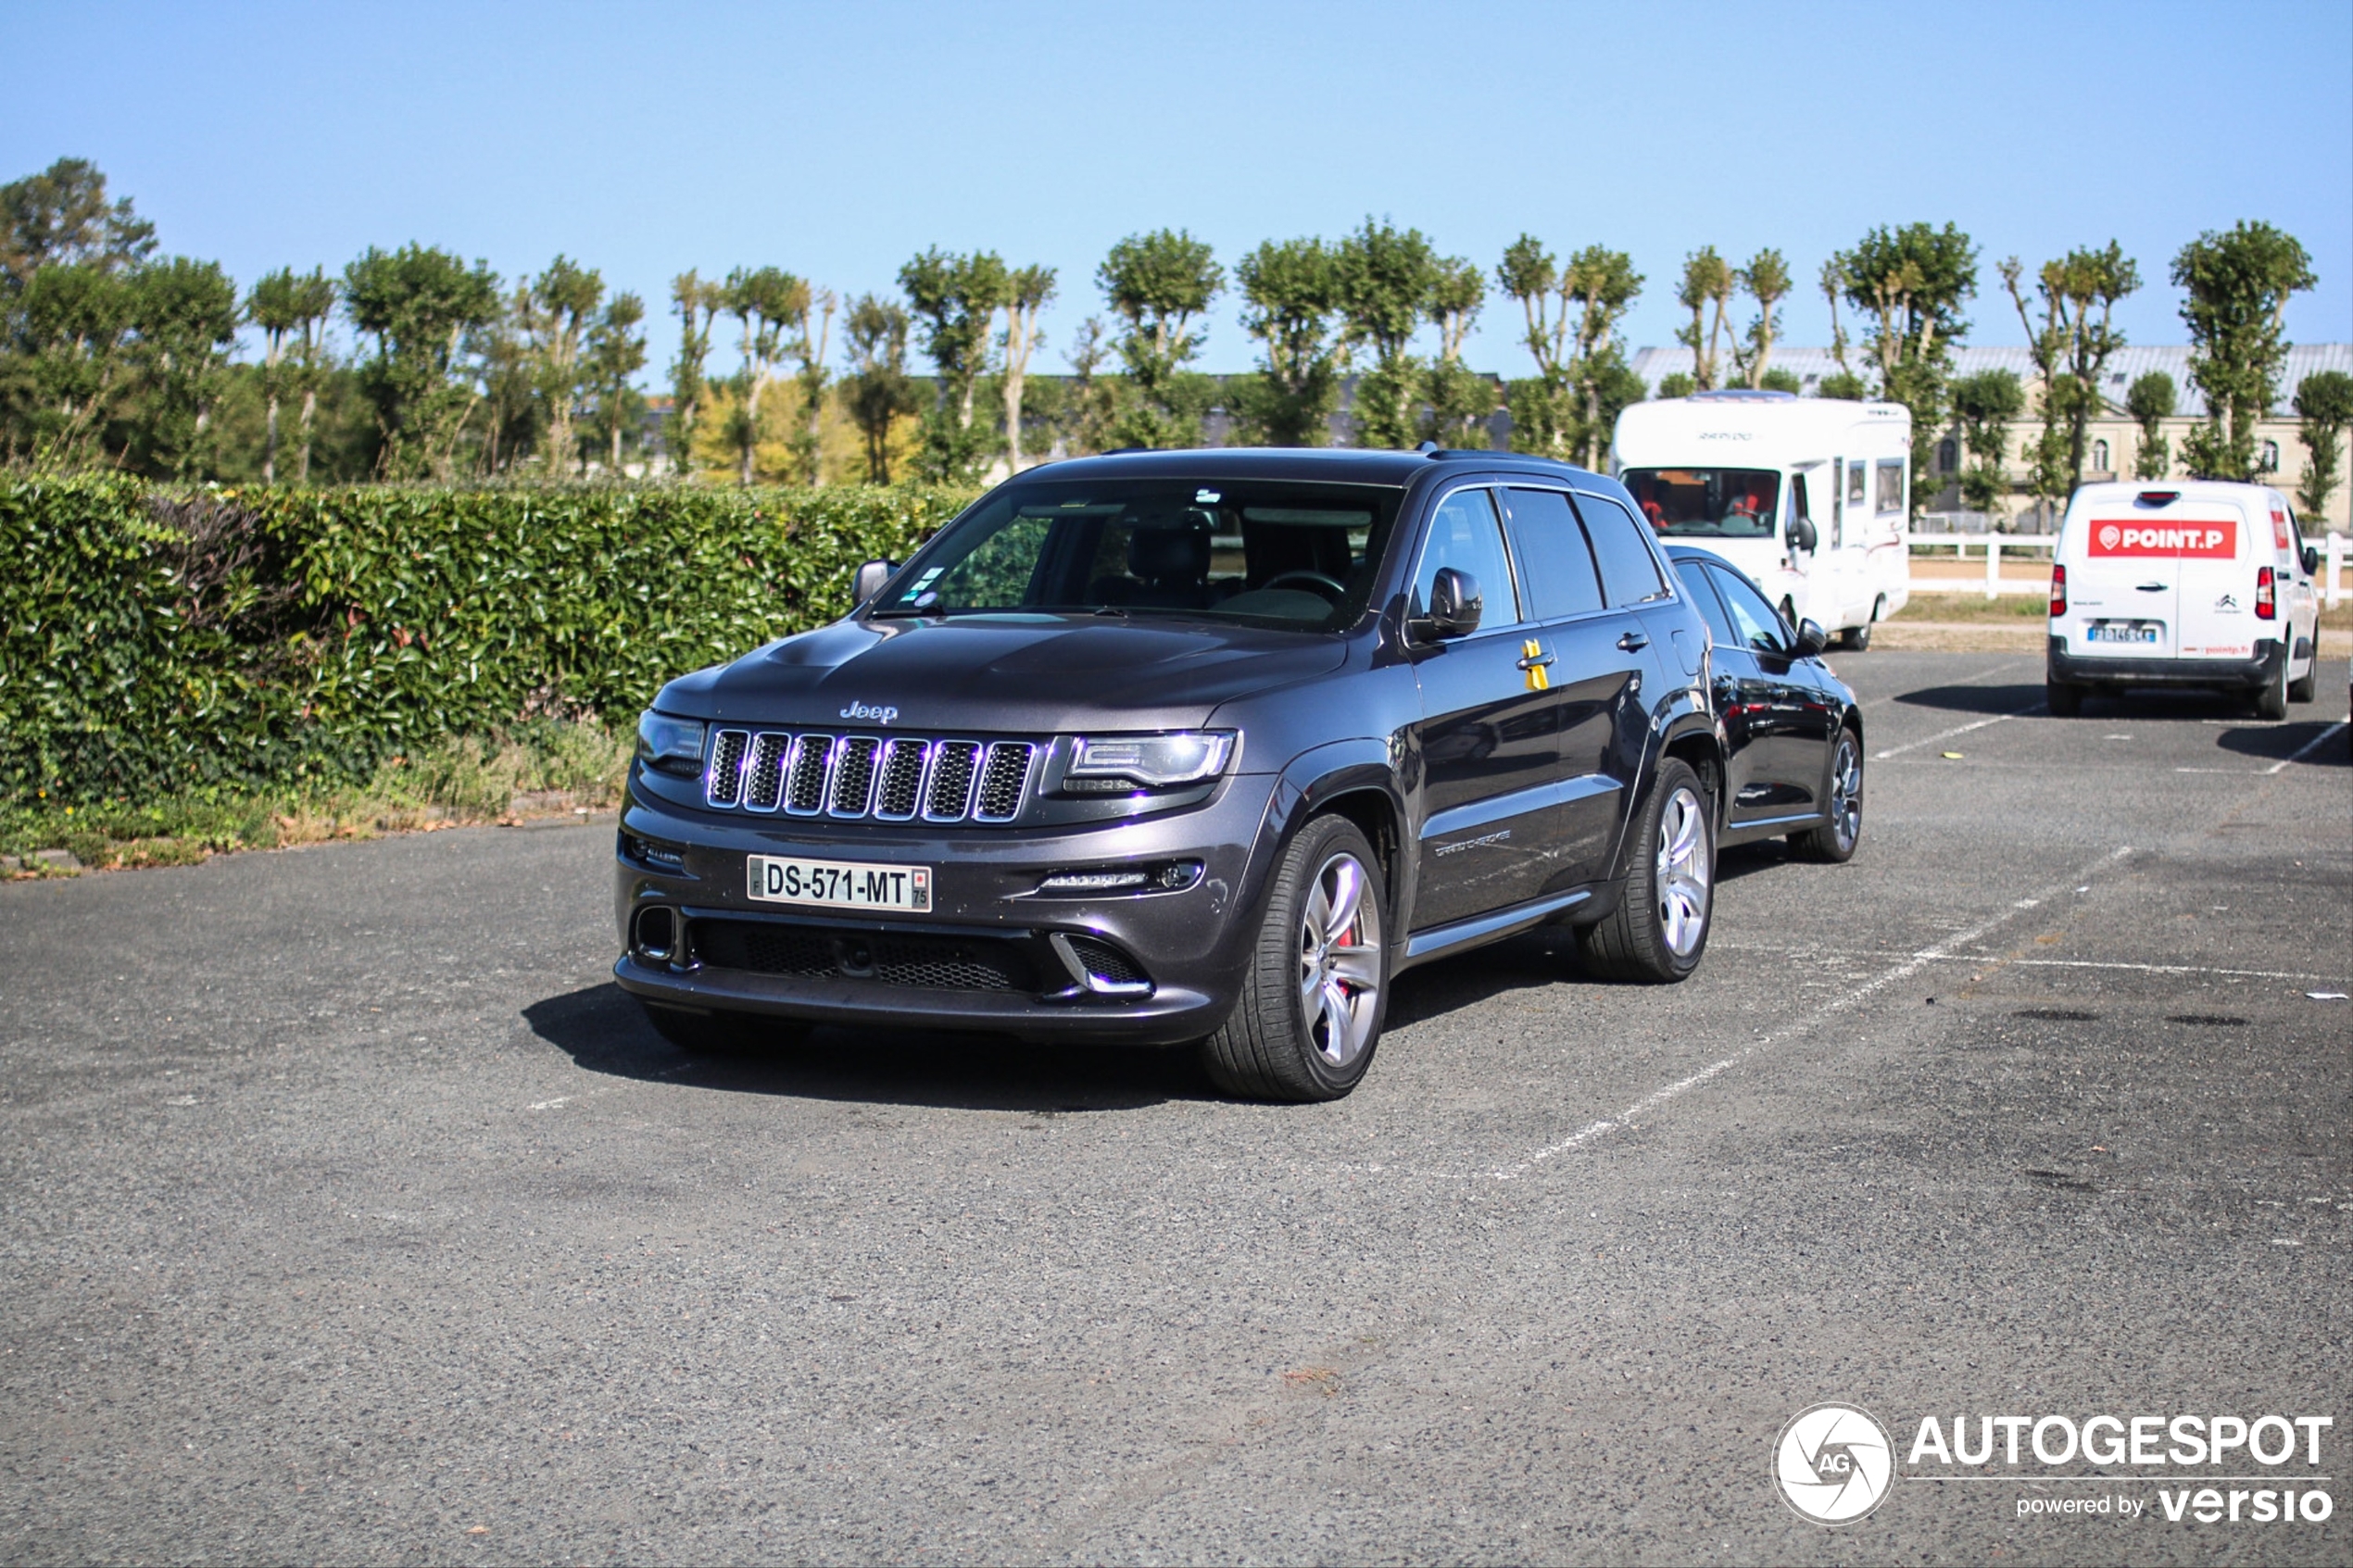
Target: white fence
[1992, 547]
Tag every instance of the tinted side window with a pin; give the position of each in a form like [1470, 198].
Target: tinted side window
[1556, 568]
[1630, 575]
[1719, 625]
[1465, 534]
[1759, 623]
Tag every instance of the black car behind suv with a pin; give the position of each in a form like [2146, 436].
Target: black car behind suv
[1190, 746]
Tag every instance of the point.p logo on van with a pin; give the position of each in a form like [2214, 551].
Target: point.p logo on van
[2197, 541]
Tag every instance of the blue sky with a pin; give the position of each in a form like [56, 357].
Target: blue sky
[838, 139]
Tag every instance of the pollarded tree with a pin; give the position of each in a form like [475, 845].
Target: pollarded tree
[810, 346]
[290, 308]
[1460, 399]
[1158, 285]
[1912, 282]
[955, 301]
[2237, 286]
[2149, 400]
[879, 388]
[1290, 292]
[1027, 291]
[698, 304]
[1604, 285]
[1983, 406]
[557, 309]
[70, 368]
[1831, 280]
[1707, 281]
[764, 300]
[1386, 277]
[2071, 348]
[2324, 407]
[616, 353]
[1765, 280]
[417, 304]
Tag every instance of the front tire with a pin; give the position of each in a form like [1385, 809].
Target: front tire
[1658, 932]
[1859, 637]
[1834, 841]
[1310, 1013]
[2308, 688]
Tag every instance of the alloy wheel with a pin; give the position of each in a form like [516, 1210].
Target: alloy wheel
[1682, 883]
[1340, 961]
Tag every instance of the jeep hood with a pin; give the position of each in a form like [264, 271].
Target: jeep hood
[1005, 674]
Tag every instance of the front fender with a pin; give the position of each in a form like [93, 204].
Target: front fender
[1315, 778]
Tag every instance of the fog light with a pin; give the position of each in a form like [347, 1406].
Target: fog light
[657, 936]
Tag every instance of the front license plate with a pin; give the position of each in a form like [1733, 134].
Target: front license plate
[2123, 631]
[839, 884]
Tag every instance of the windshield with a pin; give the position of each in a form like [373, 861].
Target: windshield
[1272, 552]
[1707, 503]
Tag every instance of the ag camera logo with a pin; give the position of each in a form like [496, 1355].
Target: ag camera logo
[1833, 1464]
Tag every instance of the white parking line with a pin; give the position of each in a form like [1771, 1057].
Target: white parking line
[2314, 746]
[1939, 955]
[1908, 967]
[1957, 730]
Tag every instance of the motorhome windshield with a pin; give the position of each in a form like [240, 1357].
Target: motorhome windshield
[1275, 552]
[1707, 503]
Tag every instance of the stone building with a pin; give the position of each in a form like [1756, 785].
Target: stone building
[2114, 439]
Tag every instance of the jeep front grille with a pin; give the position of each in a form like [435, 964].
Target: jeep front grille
[894, 779]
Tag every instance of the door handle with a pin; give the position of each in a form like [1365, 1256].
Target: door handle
[1535, 661]
[2152, 587]
[1632, 641]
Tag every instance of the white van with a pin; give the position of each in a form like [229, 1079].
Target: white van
[1808, 495]
[2183, 583]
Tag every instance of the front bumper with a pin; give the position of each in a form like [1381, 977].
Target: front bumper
[2222, 674]
[1190, 946]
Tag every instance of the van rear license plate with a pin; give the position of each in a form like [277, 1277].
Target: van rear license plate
[839, 884]
[2124, 632]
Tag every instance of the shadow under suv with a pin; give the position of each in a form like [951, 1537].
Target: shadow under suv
[1180, 746]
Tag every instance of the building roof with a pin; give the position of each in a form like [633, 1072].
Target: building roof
[2123, 368]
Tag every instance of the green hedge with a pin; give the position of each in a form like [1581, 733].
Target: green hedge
[153, 639]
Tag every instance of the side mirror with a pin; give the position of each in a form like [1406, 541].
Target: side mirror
[869, 581]
[2311, 561]
[1811, 638]
[1802, 535]
[1455, 606]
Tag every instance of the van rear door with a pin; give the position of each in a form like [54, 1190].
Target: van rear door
[2215, 555]
[2127, 562]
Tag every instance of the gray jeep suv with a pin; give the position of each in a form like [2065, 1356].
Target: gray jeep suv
[1182, 746]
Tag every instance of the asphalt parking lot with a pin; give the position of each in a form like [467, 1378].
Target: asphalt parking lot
[352, 1214]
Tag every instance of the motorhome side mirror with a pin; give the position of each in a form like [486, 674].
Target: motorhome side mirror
[1811, 638]
[870, 580]
[1455, 606]
[1802, 535]
[2311, 559]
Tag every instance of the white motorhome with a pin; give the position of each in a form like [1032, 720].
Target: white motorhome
[1808, 495]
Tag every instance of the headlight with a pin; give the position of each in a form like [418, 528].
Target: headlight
[674, 746]
[1148, 761]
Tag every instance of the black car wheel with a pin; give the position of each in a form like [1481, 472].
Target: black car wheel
[720, 1034]
[1858, 638]
[2271, 703]
[1310, 1013]
[1834, 841]
[1659, 930]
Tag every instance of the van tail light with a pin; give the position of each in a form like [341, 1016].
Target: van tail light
[2266, 598]
[2058, 592]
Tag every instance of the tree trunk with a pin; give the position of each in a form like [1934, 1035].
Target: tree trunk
[270, 441]
[309, 407]
[751, 427]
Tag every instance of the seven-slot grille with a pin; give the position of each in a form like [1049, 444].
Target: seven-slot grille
[896, 779]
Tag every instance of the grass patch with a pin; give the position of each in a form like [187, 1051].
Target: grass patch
[534, 768]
